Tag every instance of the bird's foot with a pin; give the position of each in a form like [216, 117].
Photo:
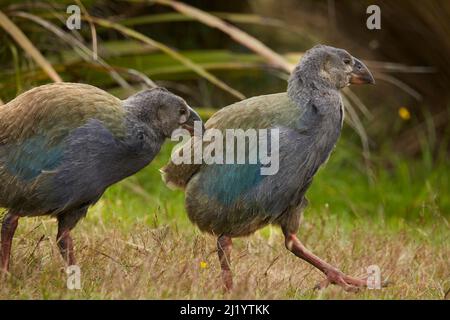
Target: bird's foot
[337, 277]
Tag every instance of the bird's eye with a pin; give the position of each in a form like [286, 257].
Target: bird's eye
[182, 111]
[347, 61]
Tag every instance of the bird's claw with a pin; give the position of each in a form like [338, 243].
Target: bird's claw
[336, 277]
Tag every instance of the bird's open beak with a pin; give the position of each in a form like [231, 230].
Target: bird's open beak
[194, 123]
[361, 74]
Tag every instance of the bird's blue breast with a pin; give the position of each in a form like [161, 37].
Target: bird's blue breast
[27, 160]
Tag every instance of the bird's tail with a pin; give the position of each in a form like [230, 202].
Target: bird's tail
[168, 179]
[177, 176]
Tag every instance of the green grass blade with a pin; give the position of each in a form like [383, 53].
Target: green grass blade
[235, 33]
[22, 40]
[174, 54]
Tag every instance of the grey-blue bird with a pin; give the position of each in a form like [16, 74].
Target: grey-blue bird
[63, 144]
[233, 200]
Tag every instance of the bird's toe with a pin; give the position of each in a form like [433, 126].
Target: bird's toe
[336, 277]
[355, 281]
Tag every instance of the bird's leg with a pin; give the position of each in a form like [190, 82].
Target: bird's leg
[9, 227]
[65, 245]
[334, 275]
[224, 245]
[66, 222]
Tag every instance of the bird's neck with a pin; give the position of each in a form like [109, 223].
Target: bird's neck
[304, 89]
[322, 114]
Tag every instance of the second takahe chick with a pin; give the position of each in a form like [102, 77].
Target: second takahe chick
[62, 145]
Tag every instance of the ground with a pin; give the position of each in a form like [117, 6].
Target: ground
[137, 242]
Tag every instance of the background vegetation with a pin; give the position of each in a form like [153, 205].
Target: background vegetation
[382, 198]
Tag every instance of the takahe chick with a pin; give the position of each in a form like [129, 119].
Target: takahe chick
[63, 144]
[232, 200]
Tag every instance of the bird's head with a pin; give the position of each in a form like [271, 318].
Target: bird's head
[162, 110]
[330, 67]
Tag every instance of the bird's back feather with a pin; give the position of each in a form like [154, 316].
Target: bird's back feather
[54, 109]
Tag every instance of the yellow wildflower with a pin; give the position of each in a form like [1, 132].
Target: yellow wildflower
[404, 113]
[203, 264]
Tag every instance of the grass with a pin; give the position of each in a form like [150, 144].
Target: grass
[137, 242]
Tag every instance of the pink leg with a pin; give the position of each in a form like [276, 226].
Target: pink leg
[66, 222]
[65, 245]
[224, 245]
[334, 276]
[9, 227]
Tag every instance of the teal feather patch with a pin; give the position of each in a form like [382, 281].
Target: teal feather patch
[226, 183]
[29, 159]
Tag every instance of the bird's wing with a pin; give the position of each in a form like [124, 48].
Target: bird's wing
[262, 112]
[34, 125]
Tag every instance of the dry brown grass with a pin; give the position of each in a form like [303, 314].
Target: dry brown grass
[164, 262]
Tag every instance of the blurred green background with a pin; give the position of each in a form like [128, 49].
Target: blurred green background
[392, 161]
